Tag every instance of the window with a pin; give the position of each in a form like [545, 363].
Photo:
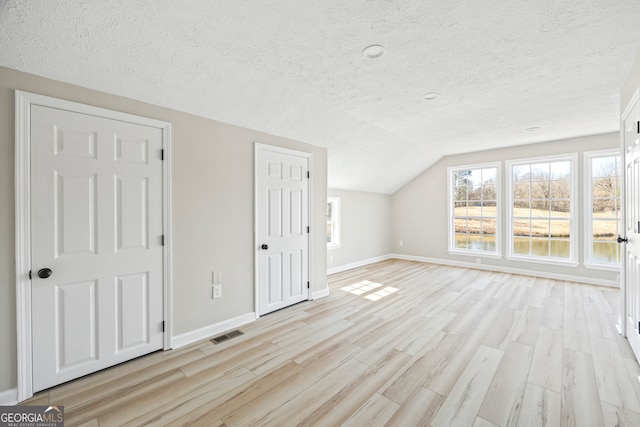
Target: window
[602, 212]
[542, 225]
[333, 223]
[473, 202]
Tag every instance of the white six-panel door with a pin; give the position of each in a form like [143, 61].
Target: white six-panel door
[631, 276]
[96, 223]
[282, 217]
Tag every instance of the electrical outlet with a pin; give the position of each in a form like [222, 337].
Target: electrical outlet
[478, 261]
[401, 243]
[217, 291]
[331, 259]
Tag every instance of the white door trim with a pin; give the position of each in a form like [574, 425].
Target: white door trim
[256, 244]
[23, 103]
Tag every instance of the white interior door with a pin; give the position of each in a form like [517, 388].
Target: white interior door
[631, 262]
[96, 222]
[282, 216]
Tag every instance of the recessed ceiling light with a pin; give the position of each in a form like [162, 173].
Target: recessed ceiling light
[532, 129]
[430, 96]
[374, 51]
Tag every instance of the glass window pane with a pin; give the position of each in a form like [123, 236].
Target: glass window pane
[460, 241]
[560, 248]
[474, 242]
[521, 246]
[539, 247]
[473, 225]
[329, 228]
[560, 208]
[540, 190]
[489, 175]
[604, 208]
[460, 225]
[521, 208]
[561, 170]
[489, 209]
[475, 192]
[540, 172]
[560, 228]
[605, 230]
[521, 190]
[489, 226]
[540, 228]
[560, 189]
[604, 166]
[489, 192]
[521, 173]
[605, 252]
[540, 207]
[521, 227]
[489, 243]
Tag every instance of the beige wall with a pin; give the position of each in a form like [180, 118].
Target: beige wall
[419, 209]
[213, 224]
[365, 233]
[631, 83]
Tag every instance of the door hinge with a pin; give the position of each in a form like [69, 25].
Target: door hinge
[162, 239]
[308, 174]
[308, 230]
[163, 326]
[638, 126]
[308, 285]
[29, 274]
[162, 154]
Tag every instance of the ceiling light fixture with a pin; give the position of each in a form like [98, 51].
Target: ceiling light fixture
[374, 51]
[430, 96]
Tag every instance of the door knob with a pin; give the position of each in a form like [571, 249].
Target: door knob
[264, 246]
[44, 273]
[622, 239]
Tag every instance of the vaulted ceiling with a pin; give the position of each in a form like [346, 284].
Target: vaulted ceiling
[507, 72]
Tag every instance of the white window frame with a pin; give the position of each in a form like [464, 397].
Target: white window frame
[451, 231]
[588, 208]
[572, 261]
[336, 220]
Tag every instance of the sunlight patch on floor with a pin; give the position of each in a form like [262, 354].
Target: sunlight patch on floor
[367, 286]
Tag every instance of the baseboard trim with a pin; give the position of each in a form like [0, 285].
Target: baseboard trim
[9, 397]
[358, 264]
[322, 293]
[211, 330]
[534, 273]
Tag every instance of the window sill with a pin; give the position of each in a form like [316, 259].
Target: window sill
[604, 267]
[476, 254]
[333, 246]
[548, 261]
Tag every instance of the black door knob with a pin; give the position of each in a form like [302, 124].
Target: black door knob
[44, 273]
[622, 239]
[264, 246]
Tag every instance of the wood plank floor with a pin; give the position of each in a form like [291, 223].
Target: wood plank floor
[397, 343]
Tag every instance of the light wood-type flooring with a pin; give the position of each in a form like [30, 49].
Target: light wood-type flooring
[397, 343]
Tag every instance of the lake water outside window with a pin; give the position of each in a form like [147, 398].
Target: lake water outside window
[474, 196]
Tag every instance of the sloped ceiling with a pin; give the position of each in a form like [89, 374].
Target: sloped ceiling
[295, 68]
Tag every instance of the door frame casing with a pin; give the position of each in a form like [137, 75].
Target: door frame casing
[22, 164]
[256, 262]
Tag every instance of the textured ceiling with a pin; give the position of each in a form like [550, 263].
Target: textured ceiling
[295, 69]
